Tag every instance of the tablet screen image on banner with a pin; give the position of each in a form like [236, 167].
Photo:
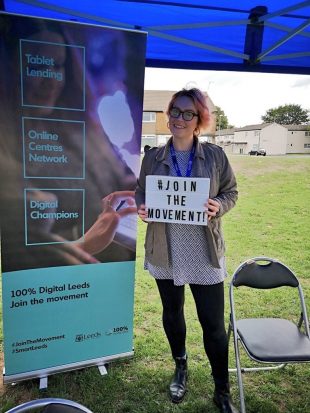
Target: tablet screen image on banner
[126, 233]
[176, 199]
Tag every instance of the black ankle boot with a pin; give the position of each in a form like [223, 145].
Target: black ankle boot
[177, 387]
[223, 401]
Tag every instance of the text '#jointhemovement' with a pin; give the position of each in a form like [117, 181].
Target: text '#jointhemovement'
[177, 215]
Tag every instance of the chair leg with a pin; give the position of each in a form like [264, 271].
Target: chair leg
[254, 369]
[239, 376]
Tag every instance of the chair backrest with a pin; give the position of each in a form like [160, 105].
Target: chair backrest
[267, 273]
[50, 405]
[264, 273]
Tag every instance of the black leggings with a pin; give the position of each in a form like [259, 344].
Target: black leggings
[209, 300]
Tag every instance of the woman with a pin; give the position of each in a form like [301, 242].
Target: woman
[174, 261]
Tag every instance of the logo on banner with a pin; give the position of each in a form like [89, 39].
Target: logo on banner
[117, 330]
[83, 337]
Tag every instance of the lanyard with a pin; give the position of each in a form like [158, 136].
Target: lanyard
[175, 161]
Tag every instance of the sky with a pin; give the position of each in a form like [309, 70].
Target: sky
[244, 97]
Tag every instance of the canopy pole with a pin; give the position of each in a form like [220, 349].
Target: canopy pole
[254, 34]
[284, 39]
[286, 10]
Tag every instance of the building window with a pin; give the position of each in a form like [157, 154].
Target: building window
[149, 117]
[307, 145]
[307, 133]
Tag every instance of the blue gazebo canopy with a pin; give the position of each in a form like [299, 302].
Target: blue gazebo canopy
[266, 36]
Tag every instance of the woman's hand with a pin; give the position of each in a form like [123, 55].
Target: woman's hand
[142, 212]
[212, 208]
[102, 232]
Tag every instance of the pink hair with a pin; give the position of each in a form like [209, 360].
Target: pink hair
[200, 103]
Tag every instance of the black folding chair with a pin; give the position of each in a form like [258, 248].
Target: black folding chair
[269, 340]
[50, 405]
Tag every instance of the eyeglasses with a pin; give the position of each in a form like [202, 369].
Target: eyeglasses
[187, 115]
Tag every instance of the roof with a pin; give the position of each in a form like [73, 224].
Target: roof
[253, 127]
[297, 127]
[264, 125]
[199, 34]
[158, 100]
[224, 132]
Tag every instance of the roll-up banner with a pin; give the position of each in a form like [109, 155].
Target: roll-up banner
[71, 99]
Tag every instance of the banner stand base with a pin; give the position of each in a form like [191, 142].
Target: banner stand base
[43, 383]
[44, 373]
[103, 370]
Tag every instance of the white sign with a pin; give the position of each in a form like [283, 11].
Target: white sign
[177, 199]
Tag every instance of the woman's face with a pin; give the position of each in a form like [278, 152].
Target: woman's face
[40, 90]
[180, 128]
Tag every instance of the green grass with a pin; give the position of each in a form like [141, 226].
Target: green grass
[271, 218]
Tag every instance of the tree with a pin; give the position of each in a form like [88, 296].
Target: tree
[221, 119]
[287, 115]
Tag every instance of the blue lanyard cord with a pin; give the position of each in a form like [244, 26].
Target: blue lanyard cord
[175, 161]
